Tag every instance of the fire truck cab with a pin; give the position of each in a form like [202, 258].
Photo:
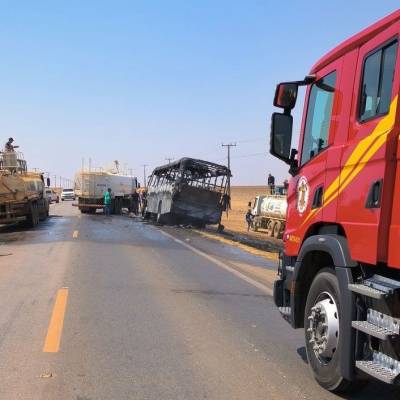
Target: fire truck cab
[339, 274]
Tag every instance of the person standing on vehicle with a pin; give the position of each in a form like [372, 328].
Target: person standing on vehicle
[9, 145]
[271, 183]
[107, 202]
[249, 219]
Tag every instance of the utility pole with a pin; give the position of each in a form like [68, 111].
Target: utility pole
[228, 146]
[169, 159]
[144, 175]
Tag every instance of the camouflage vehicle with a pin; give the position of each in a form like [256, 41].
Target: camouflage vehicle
[22, 193]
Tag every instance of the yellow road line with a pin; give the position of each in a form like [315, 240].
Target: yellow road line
[75, 234]
[54, 331]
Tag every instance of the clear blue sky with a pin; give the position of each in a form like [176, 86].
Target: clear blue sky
[142, 81]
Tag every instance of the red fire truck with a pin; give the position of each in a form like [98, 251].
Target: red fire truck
[339, 274]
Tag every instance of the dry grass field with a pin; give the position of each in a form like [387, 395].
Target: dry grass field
[235, 222]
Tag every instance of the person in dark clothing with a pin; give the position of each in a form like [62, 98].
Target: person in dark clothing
[249, 219]
[143, 202]
[286, 184]
[271, 183]
[135, 202]
[9, 145]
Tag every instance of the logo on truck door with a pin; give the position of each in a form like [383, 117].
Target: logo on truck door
[303, 193]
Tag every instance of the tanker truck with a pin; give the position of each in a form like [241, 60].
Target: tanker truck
[269, 212]
[22, 196]
[90, 186]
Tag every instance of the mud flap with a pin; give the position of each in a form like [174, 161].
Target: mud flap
[347, 358]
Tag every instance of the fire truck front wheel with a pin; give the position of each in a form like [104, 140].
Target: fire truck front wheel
[321, 324]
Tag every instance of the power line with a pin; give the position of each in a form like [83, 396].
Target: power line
[252, 140]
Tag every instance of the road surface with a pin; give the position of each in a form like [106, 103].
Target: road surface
[113, 308]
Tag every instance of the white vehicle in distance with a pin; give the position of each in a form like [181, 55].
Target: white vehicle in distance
[67, 194]
[52, 195]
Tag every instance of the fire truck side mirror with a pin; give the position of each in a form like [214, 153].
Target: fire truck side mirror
[281, 136]
[286, 95]
[48, 182]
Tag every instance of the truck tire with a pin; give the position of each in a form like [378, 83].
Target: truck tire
[277, 229]
[115, 206]
[321, 326]
[43, 210]
[270, 228]
[33, 217]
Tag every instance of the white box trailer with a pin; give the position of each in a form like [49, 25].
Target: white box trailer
[91, 185]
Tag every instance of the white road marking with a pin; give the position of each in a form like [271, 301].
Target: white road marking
[221, 264]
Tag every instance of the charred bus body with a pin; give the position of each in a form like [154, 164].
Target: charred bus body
[188, 191]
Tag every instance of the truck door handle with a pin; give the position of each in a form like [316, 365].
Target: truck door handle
[317, 199]
[374, 195]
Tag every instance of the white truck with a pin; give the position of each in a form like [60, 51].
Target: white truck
[269, 212]
[91, 185]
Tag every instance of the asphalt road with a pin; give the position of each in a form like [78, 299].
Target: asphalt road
[113, 308]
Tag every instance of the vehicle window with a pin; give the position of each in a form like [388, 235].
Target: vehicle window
[318, 117]
[376, 87]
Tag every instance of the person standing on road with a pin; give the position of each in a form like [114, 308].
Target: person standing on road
[249, 219]
[107, 202]
[143, 202]
[135, 202]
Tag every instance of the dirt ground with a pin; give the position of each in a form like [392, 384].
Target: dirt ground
[240, 197]
[235, 223]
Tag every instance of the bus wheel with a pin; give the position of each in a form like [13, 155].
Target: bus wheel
[321, 324]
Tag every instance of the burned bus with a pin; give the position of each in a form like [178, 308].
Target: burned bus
[188, 191]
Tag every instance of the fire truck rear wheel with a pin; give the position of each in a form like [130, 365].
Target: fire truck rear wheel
[321, 325]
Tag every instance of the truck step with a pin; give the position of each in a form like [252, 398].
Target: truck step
[374, 330]
[285, 311]
[381, 367]
[377, 287]
[366, 290]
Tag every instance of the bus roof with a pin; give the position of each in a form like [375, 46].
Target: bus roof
[356, 40]
[193, 164]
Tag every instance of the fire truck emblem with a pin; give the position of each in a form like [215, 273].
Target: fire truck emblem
[303, 191]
